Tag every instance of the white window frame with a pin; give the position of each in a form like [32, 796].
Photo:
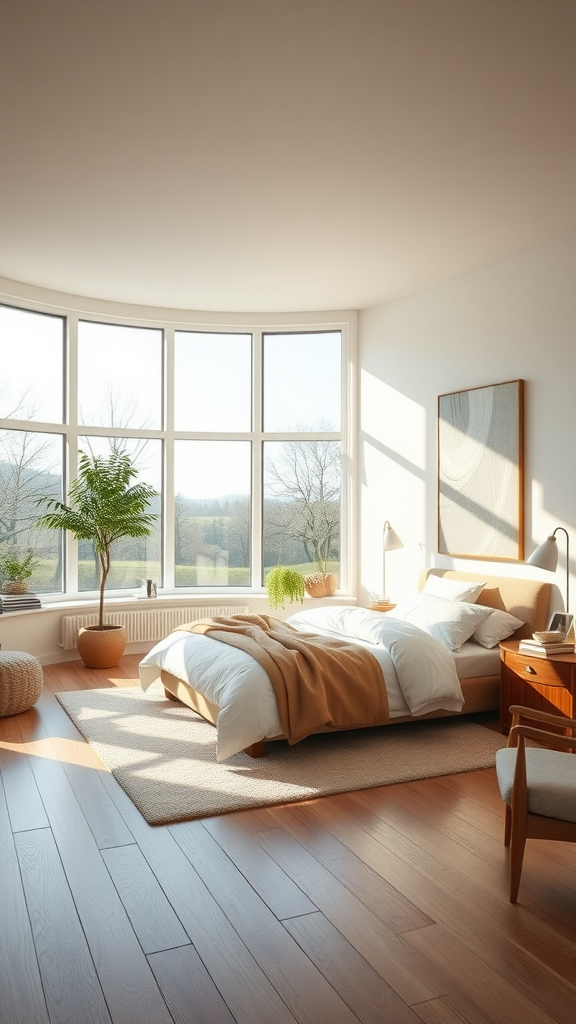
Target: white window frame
[74, 310]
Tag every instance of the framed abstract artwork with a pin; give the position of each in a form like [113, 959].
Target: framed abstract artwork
[481, 472]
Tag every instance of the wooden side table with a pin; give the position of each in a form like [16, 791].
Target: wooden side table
[544, 684]
[382, 606]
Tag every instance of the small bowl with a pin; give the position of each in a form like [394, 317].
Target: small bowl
[548, 636]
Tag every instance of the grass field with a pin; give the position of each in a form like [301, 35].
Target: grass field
[130, 575]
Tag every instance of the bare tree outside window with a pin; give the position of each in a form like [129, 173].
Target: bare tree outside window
[31, 465]
[302, 503]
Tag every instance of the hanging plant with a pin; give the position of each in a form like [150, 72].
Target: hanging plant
[284, 584]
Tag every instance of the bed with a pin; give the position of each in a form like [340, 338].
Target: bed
[429, 669]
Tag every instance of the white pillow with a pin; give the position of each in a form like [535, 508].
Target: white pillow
[497, 627]
[451, 622]
[346, 620]
[454, 590]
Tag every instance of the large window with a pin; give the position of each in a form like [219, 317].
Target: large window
[302, 471]
[242, 434]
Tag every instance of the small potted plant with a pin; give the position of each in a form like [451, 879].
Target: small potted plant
[16, 568]
[284, 584]
[105, 505]
[321, 583]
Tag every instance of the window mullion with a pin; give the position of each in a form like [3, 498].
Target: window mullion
[71, 583]
[257, 483]
[169, 547]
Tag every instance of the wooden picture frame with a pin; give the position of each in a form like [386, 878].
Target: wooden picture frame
[481, 472]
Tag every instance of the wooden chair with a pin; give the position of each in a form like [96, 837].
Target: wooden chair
[538, 785]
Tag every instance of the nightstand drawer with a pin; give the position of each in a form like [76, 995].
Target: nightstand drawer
[544, 684]
[539, 670]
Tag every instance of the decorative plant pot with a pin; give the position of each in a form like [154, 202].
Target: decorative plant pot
[14, 587]
[320, 584]
[101, 648]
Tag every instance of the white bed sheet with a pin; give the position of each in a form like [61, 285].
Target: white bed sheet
[238, 685]
[234, 681]
[473, 660]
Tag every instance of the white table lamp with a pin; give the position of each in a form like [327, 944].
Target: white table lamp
[390, 542]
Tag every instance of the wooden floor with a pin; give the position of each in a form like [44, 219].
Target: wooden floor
[388, 905]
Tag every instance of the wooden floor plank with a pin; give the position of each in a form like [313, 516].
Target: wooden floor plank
[454, 1009]
[25, 805]
[188, 989]
[21, 993]
[367, 994]
[71, 985]
[150, 913]
[279, 892]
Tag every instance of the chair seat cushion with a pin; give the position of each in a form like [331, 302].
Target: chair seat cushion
[551, 777]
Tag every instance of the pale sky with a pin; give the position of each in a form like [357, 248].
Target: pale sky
[212, 390]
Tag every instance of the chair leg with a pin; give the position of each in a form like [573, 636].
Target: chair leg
[517, 846]
[507, 825]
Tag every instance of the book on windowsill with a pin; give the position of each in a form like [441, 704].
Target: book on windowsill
[19, 602]
[543, 650]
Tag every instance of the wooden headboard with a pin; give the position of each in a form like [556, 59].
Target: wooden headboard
[528, 600]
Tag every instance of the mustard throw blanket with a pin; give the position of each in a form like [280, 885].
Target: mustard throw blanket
[318, 681]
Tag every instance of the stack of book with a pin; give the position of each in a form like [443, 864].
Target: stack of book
[544, 650]
[19, 602]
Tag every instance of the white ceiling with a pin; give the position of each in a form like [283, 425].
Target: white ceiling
[279, 155]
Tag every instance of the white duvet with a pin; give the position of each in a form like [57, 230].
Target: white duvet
[419, 671]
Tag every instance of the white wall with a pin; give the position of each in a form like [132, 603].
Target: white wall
[40, 632]
[514, 318]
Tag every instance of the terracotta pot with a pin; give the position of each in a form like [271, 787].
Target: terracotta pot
[14, 587]
[101, 648]
[320, 584]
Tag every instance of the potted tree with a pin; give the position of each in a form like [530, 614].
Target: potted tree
[16, 568]
[284, 584]
[105, 505]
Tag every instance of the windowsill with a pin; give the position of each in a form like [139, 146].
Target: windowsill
[110, 603]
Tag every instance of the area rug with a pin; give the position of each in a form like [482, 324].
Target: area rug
[164, 756]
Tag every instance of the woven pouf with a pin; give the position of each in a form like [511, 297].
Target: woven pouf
[20, 682]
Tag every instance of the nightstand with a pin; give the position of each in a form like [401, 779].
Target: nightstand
[382, 606]
[543, 684]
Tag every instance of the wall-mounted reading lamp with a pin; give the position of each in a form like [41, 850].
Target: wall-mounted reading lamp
[546, 557]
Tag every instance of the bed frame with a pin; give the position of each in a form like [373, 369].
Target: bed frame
[528, 600]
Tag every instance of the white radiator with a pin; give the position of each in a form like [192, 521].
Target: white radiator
[145, 623]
